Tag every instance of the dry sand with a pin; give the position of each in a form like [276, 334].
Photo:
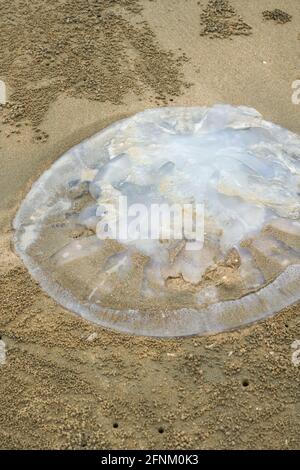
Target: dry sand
[68, 76]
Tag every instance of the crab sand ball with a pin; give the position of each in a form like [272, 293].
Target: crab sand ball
[245, 174]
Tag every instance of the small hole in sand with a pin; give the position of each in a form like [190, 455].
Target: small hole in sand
[161, 430]
[115, 425]
[245, 383]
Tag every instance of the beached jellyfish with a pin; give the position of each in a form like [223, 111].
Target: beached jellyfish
[87, 233]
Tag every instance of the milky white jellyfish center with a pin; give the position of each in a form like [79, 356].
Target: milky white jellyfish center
[242, 171]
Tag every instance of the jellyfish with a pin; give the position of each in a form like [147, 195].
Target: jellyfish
[104, 229]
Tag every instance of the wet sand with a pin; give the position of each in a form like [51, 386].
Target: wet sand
[61, 387]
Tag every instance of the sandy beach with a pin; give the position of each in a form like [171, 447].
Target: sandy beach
[71, 68]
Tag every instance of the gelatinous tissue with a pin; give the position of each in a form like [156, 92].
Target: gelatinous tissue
[243, 171]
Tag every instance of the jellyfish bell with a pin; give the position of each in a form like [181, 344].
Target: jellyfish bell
[153, 276]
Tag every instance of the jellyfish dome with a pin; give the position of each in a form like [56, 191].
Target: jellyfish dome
[232, 175]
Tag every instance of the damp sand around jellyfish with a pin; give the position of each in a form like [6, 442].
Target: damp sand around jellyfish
[243, 171]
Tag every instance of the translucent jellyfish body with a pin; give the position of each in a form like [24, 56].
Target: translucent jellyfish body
[245, 174]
